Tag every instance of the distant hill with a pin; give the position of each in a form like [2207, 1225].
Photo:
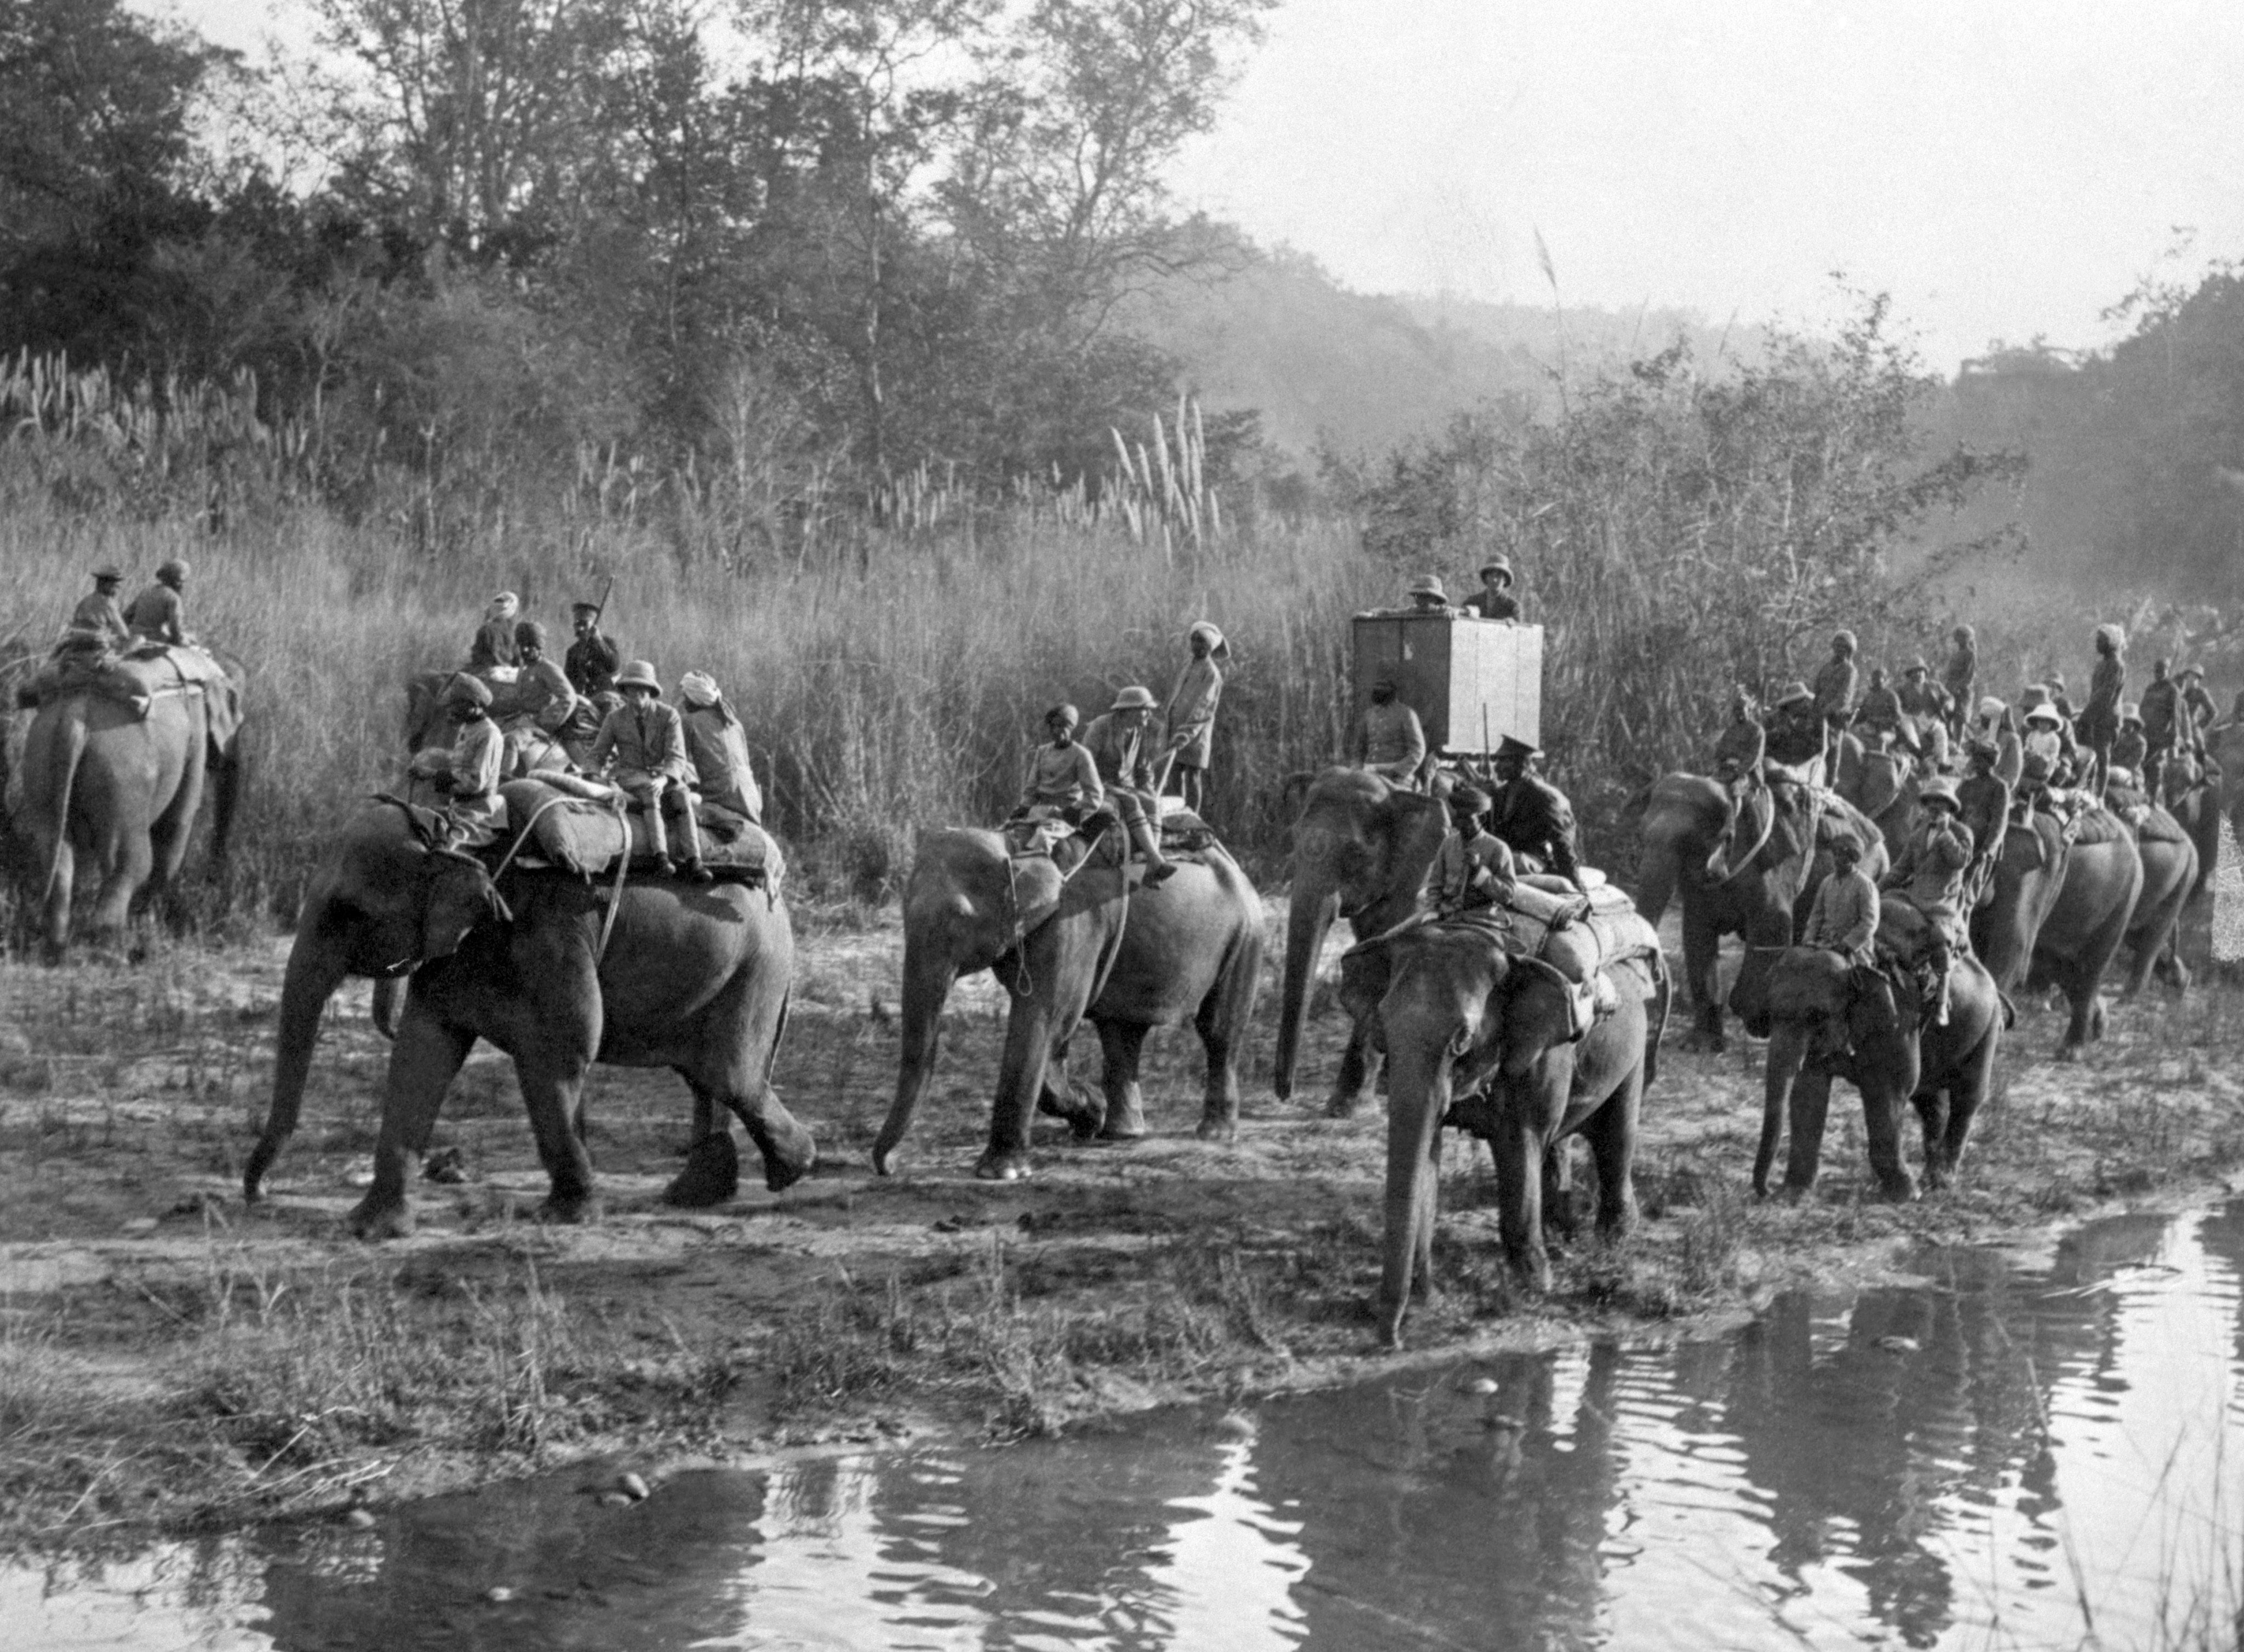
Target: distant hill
[1361, 372]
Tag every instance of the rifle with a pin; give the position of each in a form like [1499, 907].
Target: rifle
[600, 609]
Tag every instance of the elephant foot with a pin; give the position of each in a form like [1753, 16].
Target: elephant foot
[1390, 1316]
[375, 1219]
[1344, 1106]
[1088, 1126]
[1533, 1275]
[1897, 1189]
[1700, 1041]
[1218, 1127]
[788, 1159]
[1009, 1164]
[712, 1174]
[1127, 1123]
[570, 1209]
[2068, 1053]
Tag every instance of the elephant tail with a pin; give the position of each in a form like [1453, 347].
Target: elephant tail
[63, 760]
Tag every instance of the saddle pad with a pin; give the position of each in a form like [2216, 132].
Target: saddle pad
[583, 835]
[2157, 826]
[132, 680]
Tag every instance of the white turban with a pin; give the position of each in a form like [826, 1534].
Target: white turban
[504, 606]
[699, 688]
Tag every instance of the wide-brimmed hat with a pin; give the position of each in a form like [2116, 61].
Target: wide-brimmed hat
[2045, 713]
[2130, 713]
[1216, 644]
[1939, 789]
[109, 571]
[1064, 713]
[1512, 746]
[640, 674]
[699, 688]
[1428, 585]
[1794, 693]
[1964, 634]
[1471, 799]
[171, 571]
[1134, 698]
[467, 690]
[1498, 564]
[1842, 638]
[529, 633]
[2191, 670]
[1916, 667]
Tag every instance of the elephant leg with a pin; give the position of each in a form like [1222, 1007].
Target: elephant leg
[1612, 1131]
[1811, 1107]
[1121, 1045]
[171, 831]
[2086, 1022]
[552, 1080]
[712, 1174]
[61, 888]
[128, 869]
[1881, 1109]
[1559, 1214]
[1968, 1089]
[422, 1064]
[736, 1072]
[1359, 1065]
[1702, 968]
[1519, 1149]
[1221, 1023]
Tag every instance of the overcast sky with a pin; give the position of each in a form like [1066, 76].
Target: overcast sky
[2003, 168]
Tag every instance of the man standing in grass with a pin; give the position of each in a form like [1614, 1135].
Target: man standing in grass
[1190, 715]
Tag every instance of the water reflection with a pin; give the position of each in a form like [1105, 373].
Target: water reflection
[1962, 1463]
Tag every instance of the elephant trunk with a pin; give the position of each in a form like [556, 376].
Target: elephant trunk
[226, 776]
[1418, 1098]
[1787, 1052]
[1658, 873]
[928, 976]
[387, 993]
[316, 967]
[1309, 918]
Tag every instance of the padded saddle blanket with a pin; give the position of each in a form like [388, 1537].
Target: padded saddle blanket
[1185, 835]
[133, 680]
[573, 826]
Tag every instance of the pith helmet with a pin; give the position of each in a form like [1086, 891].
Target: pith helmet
[1134, 698]
[1916, 667]
[1795, 693]
[109, 571]
[466, 690]
[1964, 634]
[1512, 746]
[640, 674]
[1471, 799]
[1428, 585]
[1843, 639]
[2130, 713]
[1499, 564]
[1064, 713]
[2191, 670]
[1939, 789]
[173, 571]
[2045, 713]
[528, 633]
[1216, 644]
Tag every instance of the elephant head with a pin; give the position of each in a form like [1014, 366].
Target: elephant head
[2028, 878]
[1361, 851]
[1821, 1011]
[388, 900]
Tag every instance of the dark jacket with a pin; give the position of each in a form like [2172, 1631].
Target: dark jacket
[592, 664]
[1534, 817]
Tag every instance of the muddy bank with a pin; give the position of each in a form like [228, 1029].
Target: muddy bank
[168, 1357]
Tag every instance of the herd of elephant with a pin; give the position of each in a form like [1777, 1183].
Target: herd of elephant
[559, 974]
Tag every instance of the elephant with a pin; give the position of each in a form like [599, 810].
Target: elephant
[108, 789]
[1362, 848]
[2170, 873]
[1771, 859]
[1457, 1012]
[2059, 909]
[1825, 1020]
[1068, 947]
[1883, 785]
[692, 978]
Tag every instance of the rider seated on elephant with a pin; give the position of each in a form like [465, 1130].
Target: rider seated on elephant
[158, 614]
[2203, 713]
[1878, 718]
[545, 701]
[1844, 918]
[1921, 697]
[1117, 743]
[1473, 869]
[1426, 595]
[494, 645]
[467, 772]
[1390, 742]
[645, 741]
[1834, 686]
[1930, 876]
[1064, 782]
[717, 748]
[1984, 798]
[1795, 728]
[2129, 747]
[1531, 814]
[96, 624]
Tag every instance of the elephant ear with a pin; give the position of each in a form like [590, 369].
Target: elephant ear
[1366, 969]
[1411, 828]
[456, 893]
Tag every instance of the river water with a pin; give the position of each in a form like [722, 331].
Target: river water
[1998, 1457]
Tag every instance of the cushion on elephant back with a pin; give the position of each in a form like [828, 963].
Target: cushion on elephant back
[2155, 825]
[2095, 824]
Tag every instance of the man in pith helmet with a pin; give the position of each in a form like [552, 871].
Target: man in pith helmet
[1426, 595]
[641, 746]
[1117, 743]
[1929, 876]
[1495, 599]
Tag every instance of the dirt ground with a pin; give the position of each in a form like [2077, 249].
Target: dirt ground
[168, 1357]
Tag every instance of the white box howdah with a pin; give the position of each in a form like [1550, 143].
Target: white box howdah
[1471, 681]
